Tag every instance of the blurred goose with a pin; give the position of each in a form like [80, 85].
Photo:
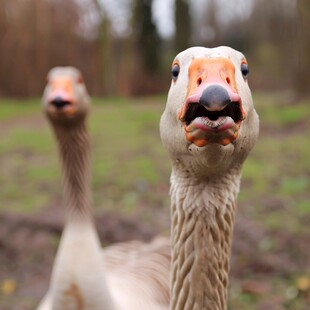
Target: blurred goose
[131, 275]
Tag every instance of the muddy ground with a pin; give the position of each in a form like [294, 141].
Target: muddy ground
[28, 246]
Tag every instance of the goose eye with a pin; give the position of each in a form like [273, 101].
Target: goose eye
[80, 79]
[245, 69]
[175, 71]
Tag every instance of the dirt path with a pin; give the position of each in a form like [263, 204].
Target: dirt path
[34, 121]
[28, 245]
[28, 264]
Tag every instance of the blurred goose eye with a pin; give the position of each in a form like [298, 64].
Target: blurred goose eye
[245, 69]
[175, 71]
[80, 79]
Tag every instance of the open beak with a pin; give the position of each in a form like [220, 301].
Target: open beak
[213, 110]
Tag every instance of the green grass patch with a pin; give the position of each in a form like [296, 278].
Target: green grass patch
[11, 108]
[303, 206]
[27, 140]
[126, 151]
[128, 156]
[294, 186]
[281, 109]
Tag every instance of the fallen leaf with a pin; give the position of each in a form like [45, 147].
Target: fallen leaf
[303, 283]
[8, 286]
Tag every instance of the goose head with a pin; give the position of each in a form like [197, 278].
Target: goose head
[65, 97]
[209, 124]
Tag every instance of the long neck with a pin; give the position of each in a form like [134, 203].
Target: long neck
[74, 151]
[78, 276]
[202, 224]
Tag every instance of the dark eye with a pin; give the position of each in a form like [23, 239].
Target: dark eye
[175, 71]
[80, 79]
[245, 69]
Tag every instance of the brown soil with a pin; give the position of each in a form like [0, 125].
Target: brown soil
[28, 246]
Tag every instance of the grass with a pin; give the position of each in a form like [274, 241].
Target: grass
[281, 109]
[11, 108]
[131, 170]
[128, 156]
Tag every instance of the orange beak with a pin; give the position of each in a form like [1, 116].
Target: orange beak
[61, 99]
[61, 90]
[205, 72]
[212, 91]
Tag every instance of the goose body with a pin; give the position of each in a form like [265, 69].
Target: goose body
[131, 275]
[208, 127]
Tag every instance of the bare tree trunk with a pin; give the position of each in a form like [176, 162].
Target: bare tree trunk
[302, 77]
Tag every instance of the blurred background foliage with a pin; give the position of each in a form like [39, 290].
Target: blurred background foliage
[117, 43]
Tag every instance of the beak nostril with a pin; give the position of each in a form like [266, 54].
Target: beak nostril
[199, 81]
[59, 102]
[228, 80]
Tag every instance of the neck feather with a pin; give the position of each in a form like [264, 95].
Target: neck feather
[78, 276]
[202, 225]
[74, 152]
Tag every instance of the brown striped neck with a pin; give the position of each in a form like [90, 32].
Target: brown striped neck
[74, 149]
[202, 225]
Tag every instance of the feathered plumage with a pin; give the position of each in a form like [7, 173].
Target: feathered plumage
[131, 276]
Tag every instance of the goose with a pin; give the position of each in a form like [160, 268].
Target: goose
[132, 275]
[208, 127]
